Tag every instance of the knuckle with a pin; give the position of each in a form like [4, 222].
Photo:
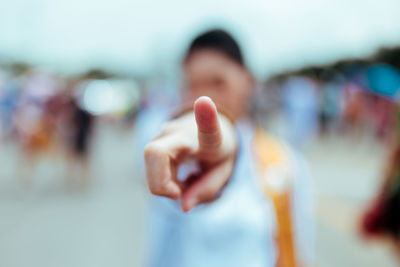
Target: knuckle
[152, 150]
[164, 188]
[154, 187]
[155, 190]
[148, 149]
[159, 189]
[206, 197]
[209, 192]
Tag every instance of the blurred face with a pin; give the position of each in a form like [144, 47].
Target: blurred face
[213, 74]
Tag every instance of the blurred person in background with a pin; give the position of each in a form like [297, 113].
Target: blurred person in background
[82, 123]
[300, 98]
[77, 131]
[9, 94]
[383, 217]
[31, 122]
[384, 80]
[330, 103]
[72, 127]
[353, 120]
[227, 193]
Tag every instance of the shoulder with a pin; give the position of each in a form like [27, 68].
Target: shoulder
[282, 167]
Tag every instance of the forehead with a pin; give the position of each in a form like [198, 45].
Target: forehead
[209, 62]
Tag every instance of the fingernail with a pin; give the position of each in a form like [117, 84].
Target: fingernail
[205, 98]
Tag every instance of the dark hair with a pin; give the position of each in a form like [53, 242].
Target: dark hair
[218, 40]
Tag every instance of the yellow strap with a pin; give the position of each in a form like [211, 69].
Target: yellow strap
[274, 167]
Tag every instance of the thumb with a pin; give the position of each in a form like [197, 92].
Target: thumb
[208, 126]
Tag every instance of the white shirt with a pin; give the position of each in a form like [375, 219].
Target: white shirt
[237, 229]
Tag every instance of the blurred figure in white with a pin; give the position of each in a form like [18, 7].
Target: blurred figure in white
[301, 109]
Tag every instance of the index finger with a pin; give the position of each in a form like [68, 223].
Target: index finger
[208, 125]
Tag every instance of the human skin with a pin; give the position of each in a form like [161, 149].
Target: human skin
[203, 134]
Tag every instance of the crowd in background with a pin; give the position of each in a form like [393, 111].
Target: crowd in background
[43, 112]
[347, 96]
[359, 96]
[39, 109]
[356, 96]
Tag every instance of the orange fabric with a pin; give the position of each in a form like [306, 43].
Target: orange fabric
[272, 154]
[40, 138]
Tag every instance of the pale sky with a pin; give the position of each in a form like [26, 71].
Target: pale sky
[149, 37]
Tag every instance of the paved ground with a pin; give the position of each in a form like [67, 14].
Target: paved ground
[346, 174]
[52, 224]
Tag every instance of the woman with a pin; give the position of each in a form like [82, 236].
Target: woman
[220, 182]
